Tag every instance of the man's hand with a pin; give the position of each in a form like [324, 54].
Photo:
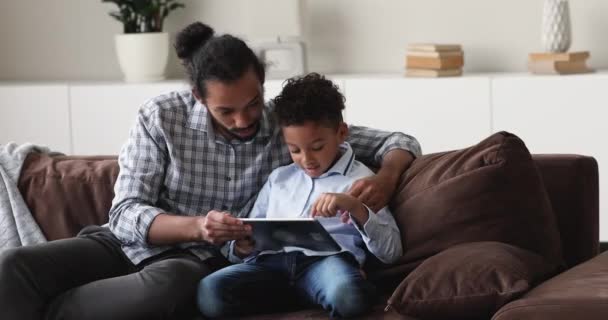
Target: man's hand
[218, 227]
[244, 247]
[332, 204]
[375, 191]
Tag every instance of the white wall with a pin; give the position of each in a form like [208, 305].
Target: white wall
[73, 39]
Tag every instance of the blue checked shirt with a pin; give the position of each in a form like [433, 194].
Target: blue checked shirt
[291, 193]
[174, 163]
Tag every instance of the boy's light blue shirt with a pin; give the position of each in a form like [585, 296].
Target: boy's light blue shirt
[290, 193]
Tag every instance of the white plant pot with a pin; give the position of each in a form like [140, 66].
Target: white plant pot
[143, 56]
[556, 33]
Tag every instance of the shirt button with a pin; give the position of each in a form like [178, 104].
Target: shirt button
[228, 178]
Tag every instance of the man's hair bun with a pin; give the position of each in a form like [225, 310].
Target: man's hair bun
[191, 39]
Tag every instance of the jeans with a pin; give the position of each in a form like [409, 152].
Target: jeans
[271, 282]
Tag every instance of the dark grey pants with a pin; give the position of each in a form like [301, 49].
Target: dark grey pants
[89, 277]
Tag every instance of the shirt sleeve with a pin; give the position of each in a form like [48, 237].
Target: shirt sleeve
[142, 163]
[370, 145]
[381, 235]
[259, 209]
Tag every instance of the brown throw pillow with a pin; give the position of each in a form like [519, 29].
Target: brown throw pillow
[489, 192]
[469, 281]
[67, 193]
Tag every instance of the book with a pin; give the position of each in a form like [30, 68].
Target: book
[565, 56]
[434, 54]
[453, 62]
[433, 47]
[558, 67]
[429, 73]
[278, 234]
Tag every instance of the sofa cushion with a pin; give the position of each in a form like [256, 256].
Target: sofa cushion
[66, 193]
[579, 293]
[489, 192]
[469, 281]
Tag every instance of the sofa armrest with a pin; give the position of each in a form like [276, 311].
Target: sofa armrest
[578, 293]
[572, 184]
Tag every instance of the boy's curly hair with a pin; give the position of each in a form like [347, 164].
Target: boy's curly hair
[309, 98]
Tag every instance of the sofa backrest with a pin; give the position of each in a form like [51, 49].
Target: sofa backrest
[66, 193]
[572, 183]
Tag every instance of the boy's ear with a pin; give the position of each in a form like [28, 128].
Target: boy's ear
[343, 131]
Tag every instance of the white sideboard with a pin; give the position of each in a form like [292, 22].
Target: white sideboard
[37, 113]
[558, 114]
[102, 114]
[442, 114]
[551, 114]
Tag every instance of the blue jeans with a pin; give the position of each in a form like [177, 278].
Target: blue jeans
[270, 282]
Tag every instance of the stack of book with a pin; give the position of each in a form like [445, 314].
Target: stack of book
[434, 60]
[559, 63]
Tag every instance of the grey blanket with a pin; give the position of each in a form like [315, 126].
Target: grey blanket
[17, 226]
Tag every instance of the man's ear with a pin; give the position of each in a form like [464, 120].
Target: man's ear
[343, 131]
[197, 95]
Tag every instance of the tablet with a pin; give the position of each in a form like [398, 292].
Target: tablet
[277, 234]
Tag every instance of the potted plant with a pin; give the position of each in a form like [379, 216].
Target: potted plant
[143, 48]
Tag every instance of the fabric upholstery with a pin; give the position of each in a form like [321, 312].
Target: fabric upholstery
[469, 281]
[67, 193]
[579, 293]
[489, 192]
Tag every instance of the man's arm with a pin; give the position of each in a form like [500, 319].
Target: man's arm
[142, 164]
[372, 145]
[377, 190]
[392, 152]
[134, 218]
[216, 227]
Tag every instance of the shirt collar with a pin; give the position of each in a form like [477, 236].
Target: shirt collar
[343, 165]
[198, 116]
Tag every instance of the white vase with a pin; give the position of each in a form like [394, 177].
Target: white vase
[556, 33]
[143, 56]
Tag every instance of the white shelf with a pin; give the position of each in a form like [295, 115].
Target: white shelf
[36, 113]
[442, 115]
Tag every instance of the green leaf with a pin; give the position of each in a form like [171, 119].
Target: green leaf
[143, 15]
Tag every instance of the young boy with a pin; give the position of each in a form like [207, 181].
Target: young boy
[309, 112]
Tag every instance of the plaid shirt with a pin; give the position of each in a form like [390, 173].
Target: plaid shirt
[174, 163]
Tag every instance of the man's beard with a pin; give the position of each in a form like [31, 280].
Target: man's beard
[234, 132]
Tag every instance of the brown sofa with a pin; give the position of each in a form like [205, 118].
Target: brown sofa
[66, 193]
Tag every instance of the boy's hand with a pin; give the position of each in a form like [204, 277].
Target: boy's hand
[332, 204]
[244, 247]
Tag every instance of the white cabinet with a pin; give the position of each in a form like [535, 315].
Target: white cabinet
[443, 114]
[272, 88]
[102, 114]
[567, 114]
[36, 113]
